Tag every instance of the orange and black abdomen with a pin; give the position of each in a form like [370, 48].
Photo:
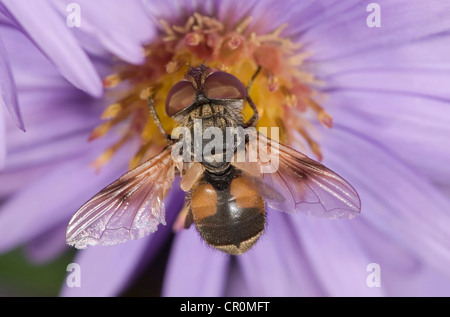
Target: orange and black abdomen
[228, 212]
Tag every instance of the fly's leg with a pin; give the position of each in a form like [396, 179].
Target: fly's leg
[153, 112]
[254, 119]
[250, 83]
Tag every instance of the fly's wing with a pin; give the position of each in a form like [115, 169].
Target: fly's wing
[129, 208]
[290, 181]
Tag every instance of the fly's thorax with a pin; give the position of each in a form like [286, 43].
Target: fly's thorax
[221, 113]
[228, 212]
[213, 129]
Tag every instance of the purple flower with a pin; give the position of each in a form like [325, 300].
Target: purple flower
[385, 88]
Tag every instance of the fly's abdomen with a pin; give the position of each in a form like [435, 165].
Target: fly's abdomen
[231, 218]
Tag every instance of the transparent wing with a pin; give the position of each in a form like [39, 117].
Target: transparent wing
[291, 182]
[129, 208]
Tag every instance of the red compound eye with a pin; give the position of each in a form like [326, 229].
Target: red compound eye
[180, 96]
[221, 85]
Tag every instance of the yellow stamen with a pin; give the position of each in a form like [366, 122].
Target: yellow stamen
[146, 93]
[193, 39]
[314, 146]
[147, 51]
[242, 26]
[112, 111]
[170, 34]
[172, 66]
[207, 24]
[181, 218]
[111, 81]
[138, 158]
[273, 83]
[188, 26]
[306, 77]
[289, 98]
[108, 154]
[100, 130]
[298, 59]
[322, 115]
[199, 19]
[233, 43]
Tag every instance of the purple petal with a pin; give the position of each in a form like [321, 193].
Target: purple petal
[2, 140]
[52, 199]
[55, 40]
[34, 154]
[430, 53]
[396, 201]
[402, 273]
[305, 15]
[48, 245]
[169, 10]
[337, 258]
[401, 21]
[32, 70]
[278, 13]
[41, 145]
[106, 271]
[232, 12]
[414, 129]
[236, 285]
[8, 89]
[426, 83]
[121, 29]
[94, 48]
[13, 181]
[277, 265]
[194, 269]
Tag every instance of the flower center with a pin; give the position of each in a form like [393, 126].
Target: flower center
[280, 91]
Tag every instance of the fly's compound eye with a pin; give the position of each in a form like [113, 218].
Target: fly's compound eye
[180, 96]
[221, 85]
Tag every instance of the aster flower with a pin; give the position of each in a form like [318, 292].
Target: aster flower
[380, 89]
